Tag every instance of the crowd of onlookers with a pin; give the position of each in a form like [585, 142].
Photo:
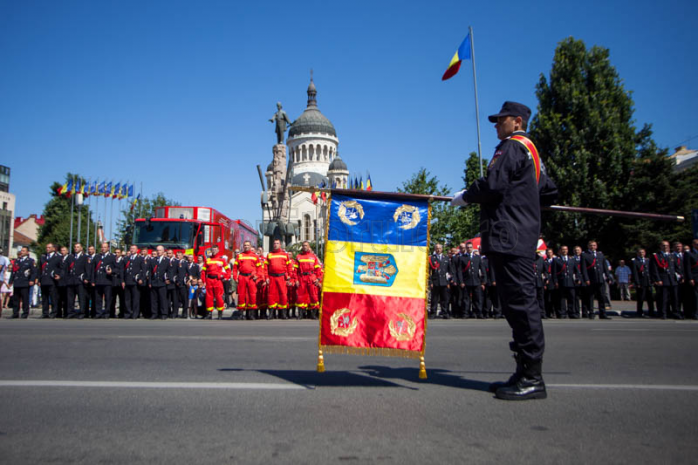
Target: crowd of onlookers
[567, 283]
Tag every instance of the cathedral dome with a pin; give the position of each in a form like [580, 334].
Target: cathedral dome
[311, 120]
[338, 164]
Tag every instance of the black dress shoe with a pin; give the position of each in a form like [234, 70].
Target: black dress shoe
[605, 317]
[14, 316]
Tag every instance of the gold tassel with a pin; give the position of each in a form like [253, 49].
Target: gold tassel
[320, 362]
[422, 369]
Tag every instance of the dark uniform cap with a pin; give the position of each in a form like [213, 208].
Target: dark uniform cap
[512, 109]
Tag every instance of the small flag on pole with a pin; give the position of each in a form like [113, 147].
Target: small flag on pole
[369, 184]
[64, 188]
[135, 201]
[463, 53]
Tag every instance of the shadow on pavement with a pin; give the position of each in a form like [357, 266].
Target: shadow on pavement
[434, 376]
[311, 378]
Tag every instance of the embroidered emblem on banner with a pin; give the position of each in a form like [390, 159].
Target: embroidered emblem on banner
[374, 269]
[406, 216]
[350, 212]
[342, 324]
[403, 328]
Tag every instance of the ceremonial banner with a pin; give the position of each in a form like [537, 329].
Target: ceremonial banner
[375, 282]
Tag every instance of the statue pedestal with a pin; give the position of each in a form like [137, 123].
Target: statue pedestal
[278, 182]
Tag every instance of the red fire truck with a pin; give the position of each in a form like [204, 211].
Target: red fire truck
[192, 230]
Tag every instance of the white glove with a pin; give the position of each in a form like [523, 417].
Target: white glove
[458, 200]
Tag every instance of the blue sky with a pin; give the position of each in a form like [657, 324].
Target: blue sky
[177, 95]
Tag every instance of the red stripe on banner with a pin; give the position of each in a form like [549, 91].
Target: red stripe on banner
[360, 320]
[451, 71]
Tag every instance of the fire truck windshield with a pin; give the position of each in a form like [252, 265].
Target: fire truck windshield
[170, 234]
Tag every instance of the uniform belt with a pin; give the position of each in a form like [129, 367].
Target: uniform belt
[306, 274]
[245, 274]
[277, 275]
[212, 276]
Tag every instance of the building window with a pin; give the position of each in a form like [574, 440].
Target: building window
[306, 228]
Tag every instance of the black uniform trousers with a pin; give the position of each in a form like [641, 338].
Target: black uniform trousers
[21, 296]
[91, 311]
[145, 302]
[183, 299]
[595, 291]
[551, 300]
[540, 300]
[492, 307]
[568, 302]
[173, 301]
[81, 292]
[517, 295]
[65, 305]
[691, 308]
[578, 297]
[117, 291]
[643, 294]
[49, 295]
[158, 302]
[666, 300]
[471, 300]
[439, 295]
[132, 301]
[102, 300]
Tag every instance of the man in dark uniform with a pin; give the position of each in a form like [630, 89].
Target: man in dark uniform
[539, 272]
[118, 286]
[64, 305]
[91, 312]
[580, 284]
[565, 282]
[469, 274]
[643, 283]
[439, 270]
[552, 299]
[690, 270]
[510, 196]
[79, 276]
[681, 285]
[172, 296]
[663, 273]
[143, 288]
[23, 276]
[454, 289]
[102, 281]
[49, 275]
[158, 281]
[134, 277]
[492, 308]
[594, 263]
[182, 285]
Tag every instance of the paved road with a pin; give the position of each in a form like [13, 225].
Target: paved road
[620, 391]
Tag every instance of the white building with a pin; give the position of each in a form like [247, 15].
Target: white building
[684, 158]
[313, 159]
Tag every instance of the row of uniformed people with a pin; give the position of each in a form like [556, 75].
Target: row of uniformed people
[157, 285]
[464, 284]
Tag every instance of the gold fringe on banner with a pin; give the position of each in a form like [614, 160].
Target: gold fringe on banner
[372, 351]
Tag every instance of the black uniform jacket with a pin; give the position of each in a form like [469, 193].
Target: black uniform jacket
[100, 264]
[118, 272]
[663, 268]
[490, 277]
[193, 271]
[550, 273]
[641, 272]
[439, 267]
[539, 271]
[566, 272]
[81, 270]
[159, 271]
[49, 267]
[594, 267]
[469, 270]
[511, 198]
[23, 271]
[66, 265]
[181, 275]
[690, 265]
[134, 270]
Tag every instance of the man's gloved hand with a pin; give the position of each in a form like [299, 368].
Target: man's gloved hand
[458, 200]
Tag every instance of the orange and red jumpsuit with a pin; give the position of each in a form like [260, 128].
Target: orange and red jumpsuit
[279, 269]
[245, 268]
[293, 282]
[262, 284]
[213, 273]
[309, 270]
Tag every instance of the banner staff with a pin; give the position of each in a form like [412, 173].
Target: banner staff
[477, 107]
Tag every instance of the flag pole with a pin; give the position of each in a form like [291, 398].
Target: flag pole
[72, 203]
[87, 239]
[477, 107]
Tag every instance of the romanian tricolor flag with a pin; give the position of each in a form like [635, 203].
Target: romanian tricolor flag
[463, 53]
[65, 187]
[116, 193]
[108, 189]
[135, 202]
[375, 282]
[369, 184]
[71, 188]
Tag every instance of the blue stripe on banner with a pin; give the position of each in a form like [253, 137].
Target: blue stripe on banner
[379, 221]
[464, 49]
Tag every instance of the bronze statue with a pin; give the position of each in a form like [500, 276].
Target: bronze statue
[281, 119]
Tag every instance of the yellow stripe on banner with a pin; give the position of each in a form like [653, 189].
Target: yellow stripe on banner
[410, 261]
[455, 59]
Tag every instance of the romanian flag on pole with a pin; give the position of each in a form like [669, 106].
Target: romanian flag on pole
[64, 188]
[375, 283]
[108, 189]
[463, 53]
[116, 193]
[135, 202]
[369, 184]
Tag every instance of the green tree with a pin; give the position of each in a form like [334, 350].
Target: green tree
[471, 214]
[56, 227]
[585, 133]
[448, 224]
[145, 208]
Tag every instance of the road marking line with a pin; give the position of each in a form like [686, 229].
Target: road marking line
[148, 385]
[654, 387]
[648, 330]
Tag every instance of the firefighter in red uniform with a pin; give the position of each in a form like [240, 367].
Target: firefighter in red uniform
[213, 273]
[292, 286]
[310, 280]
[245, 274]
[262, 286]
[279, 269]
